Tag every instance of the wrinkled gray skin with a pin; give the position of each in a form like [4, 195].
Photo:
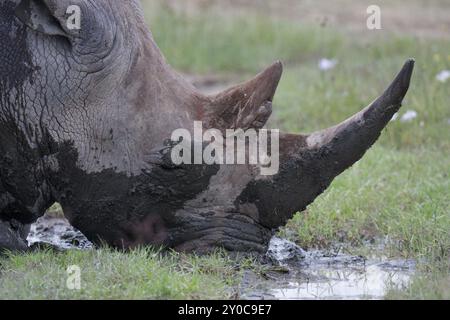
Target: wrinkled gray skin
[85, 116]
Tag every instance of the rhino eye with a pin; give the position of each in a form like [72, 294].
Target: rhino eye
[36, 15]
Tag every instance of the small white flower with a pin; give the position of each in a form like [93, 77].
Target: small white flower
[443, 76]
[327, 64]
[410, 115]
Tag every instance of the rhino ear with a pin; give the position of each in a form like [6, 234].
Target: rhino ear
[36, 15]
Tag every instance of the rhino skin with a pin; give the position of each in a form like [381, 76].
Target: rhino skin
[86, 117]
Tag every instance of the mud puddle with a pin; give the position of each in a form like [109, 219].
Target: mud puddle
[319, 274]
[293, 273]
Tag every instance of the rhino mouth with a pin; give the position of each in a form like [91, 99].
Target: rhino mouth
[232, 231]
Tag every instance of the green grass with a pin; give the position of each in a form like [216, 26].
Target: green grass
[399, 190]
[140, 274]
[214, 42]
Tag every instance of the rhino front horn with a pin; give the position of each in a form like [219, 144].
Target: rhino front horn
[344, 144]
[309, 163]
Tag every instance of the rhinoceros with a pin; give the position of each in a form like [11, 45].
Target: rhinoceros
[86, 118]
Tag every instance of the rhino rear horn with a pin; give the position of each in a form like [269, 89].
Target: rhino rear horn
[247, 105]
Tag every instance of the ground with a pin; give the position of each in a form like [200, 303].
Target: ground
[398, 194]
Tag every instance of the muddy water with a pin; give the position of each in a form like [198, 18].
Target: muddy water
[293, 272]
[370, 282]
[325, 275]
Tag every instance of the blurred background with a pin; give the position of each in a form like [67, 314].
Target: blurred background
[334, 63]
